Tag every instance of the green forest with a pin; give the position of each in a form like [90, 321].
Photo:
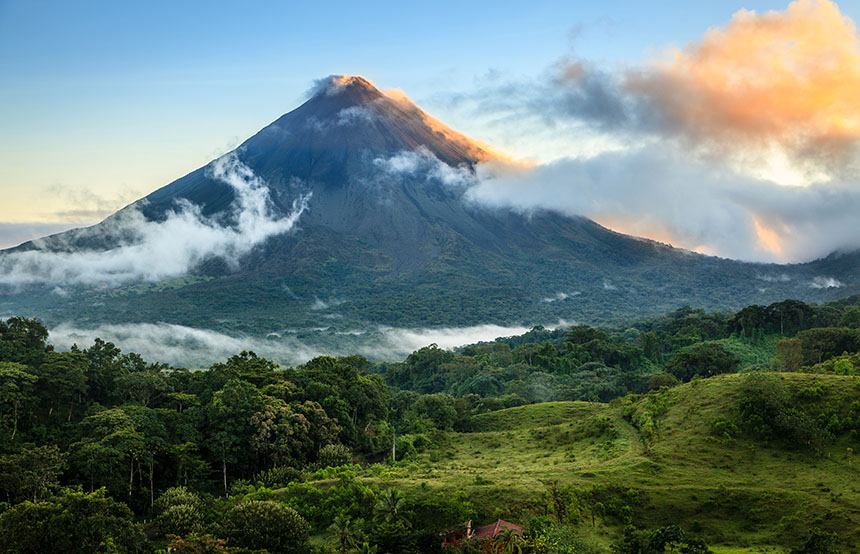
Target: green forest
[690, 433]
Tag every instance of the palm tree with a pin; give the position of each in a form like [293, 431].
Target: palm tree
[366, 549]
[347, 531]
[509, 542]
[390, 506]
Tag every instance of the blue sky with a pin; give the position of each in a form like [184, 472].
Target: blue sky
[103, 102]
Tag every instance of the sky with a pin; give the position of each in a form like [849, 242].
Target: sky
[104, 102]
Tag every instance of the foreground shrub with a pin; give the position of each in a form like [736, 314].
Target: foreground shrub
[266, 525]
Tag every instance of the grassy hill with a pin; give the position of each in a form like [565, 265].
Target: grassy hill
[654, 460]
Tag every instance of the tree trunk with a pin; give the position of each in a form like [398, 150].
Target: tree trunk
[151, 487]
[224, 468]
[131, 476]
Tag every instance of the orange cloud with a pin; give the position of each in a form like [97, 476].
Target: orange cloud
[788, 79]
[768, 239]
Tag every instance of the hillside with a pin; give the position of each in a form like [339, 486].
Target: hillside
[741, 494]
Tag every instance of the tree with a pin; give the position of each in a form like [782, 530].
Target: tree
[509, 542]
[23, 340]
[663, 537]
[154, 441]
[141, 387]
[230, 414]
[391, 507]
[826, 342]
[73, 522]
[705, 360]
[347, 531]
[292, 435]
[334, 455]
[104, 365]
[251, 368]
[111, 442]
[62, 381]
[850, 318]
[264, 524]
[789, 354]
[180, 520]
[32, 472]
[16, 393]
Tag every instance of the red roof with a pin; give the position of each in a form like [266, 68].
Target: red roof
[494, 529]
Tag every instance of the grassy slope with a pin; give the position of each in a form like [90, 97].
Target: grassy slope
[742, 494]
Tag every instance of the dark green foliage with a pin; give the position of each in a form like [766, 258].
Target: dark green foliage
[261, 524]
[702, 360]
[279, 476]
[71, 522]
[767, 412]
[32, 472]
[818, 542]
[850, 318]
[824, 343]
[334, 455]
[320, 506]
[671, 537]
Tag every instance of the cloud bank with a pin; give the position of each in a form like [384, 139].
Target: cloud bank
[661, 193]
[155, 250]
[698, 148]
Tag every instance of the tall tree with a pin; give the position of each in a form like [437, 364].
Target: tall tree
[16, 394]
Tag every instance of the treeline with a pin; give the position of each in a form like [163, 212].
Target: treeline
[585, 363]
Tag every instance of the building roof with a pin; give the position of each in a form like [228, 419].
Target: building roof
[464, 527]
[492, 530]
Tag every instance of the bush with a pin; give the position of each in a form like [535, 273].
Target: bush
[334, 455]
[277, 477]
[180, 520]
[657, 382]
[176, 496]
[268, 525]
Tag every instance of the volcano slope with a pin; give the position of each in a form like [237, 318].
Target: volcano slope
[384, 237]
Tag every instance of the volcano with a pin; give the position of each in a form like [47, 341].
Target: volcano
[389, 238]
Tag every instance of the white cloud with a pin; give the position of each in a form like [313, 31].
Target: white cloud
[151, 251]
[559, 296]
[354, 114]
[423, 163]
[781, 278]
[821, 282]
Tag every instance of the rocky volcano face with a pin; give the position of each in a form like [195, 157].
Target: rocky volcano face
[377, 231]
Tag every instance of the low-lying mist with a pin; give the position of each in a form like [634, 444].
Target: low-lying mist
[190, 347]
